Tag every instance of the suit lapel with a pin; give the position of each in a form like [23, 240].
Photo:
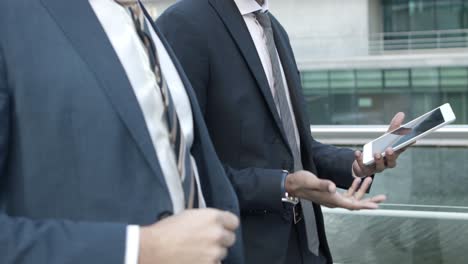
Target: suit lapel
[79, 23]
[234, 22]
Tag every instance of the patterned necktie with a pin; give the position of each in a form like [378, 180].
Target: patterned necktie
[177, 139]
[286, 116]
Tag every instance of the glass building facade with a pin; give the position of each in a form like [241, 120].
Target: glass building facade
[425, 24]
[424, 15]
[373, 96]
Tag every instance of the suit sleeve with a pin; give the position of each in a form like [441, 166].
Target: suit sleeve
[257, 189]
[26, 241]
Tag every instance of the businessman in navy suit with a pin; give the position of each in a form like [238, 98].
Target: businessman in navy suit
[104, 154]
[241, 65]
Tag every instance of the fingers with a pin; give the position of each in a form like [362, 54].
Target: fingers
[365, 206]
[229, 220]
[360, 170]
[228, 238]
[378, 199]
[370, 203]
[363, 189]
[405, 148]
[354, 204]
[358, 157]
[397, 121]
[353, 187]
[379, 163]
[390, 158]
[219, 255]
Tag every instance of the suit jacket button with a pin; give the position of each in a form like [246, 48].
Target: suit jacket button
[164, 215]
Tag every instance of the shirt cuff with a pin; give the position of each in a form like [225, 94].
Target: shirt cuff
[132, 244]
[283, 184]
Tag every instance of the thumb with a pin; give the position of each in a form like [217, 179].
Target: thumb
[397, 121]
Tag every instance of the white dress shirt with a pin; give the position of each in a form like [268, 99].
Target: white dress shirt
[121, 32]
[247, 9]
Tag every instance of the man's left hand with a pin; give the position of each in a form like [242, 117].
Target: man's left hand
[380, 162]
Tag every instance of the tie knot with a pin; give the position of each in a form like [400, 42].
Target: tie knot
[135, 10]
[263, 18]
[126, 3]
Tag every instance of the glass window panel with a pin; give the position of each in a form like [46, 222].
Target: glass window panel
[453, 72]
[321, 104]
[425, 77]
[422, 15]
[454, 82]
[454, 77]
[369, 79]
[342, 79]
[344, 110]
[449, 14]
[315, 75]
[315, 80]
[413, 91]
[465, 15]
[396, 18]
[396, 78]
[315, 84]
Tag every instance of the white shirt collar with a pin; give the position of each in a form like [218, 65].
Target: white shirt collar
[250, 6]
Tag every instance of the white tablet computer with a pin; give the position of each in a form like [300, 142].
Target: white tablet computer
[409, 132]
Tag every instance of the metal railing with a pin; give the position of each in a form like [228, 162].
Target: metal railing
[400, 213]
[315, 46]
[347, 135]
[381, 43]
[451, 136]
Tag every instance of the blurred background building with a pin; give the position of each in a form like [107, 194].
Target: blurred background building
[362, 61]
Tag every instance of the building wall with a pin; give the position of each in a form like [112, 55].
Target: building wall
[325, 29]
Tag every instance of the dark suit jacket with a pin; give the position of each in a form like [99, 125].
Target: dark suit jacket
[213, 44]
[77, 164]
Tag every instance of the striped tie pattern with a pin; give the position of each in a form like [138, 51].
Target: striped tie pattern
[177, 139]
[286, 116]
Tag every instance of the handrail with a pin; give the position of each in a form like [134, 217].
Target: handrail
[400, 213]
[390, 42]
[449, 136]
[420, 33]
[433, 39]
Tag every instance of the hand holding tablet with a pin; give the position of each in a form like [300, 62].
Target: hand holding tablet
[409, 132]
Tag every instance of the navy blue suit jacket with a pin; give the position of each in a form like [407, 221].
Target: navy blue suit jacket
[77, 164]
[214, 46]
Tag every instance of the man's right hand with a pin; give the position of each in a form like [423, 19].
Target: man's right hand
[199, 236]
[306, 185]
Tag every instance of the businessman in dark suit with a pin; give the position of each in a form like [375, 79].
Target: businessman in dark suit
[104, 154]
[241, 65]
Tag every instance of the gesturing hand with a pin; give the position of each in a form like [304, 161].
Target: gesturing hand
[195, 236]
[306, 185]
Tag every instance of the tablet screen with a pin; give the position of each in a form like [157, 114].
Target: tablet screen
[408, 131]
